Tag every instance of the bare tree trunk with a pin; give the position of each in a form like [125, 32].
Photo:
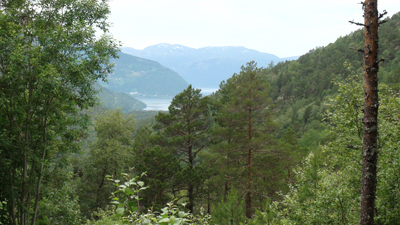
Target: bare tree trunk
[370, 119]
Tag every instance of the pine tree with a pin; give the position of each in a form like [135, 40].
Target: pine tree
[183, 133]
[243, 131]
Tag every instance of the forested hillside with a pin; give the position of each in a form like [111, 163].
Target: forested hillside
[299, 87]
[113, 100]
[143, 77]
[310, 76]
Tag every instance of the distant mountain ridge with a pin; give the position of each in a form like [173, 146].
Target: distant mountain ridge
[143, 77]
[204, 67]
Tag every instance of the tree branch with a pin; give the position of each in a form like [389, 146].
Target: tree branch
[382, 22]
[381, 60]
[382, 14]
[354, 147]
[358, 24]
[358, 50]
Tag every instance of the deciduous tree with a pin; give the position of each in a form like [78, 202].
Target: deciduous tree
[109, 154]
[50, 58]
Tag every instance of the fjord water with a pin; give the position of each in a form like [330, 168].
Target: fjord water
[161, 104]
[155, 104]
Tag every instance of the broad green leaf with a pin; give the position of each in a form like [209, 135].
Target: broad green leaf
[129, 191]
[164, 220]
[120, 210]
[141, 183]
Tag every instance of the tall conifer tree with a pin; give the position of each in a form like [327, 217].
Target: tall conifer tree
[244, 125]
[183, 132]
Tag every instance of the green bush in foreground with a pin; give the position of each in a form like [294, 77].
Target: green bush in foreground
[128, 210]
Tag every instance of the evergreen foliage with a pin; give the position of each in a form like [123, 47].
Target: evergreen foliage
[183, 132]
[243, 134]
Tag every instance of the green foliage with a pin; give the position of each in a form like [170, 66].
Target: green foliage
[244, 145]
[229, 211]
[110, 153]
[161, 175]
[328, 185]
[127, 202]
[160, 166]
[60, 206]
[268, 215]
[126, 197]
[50, 58]
[183, 132]
[4, 215]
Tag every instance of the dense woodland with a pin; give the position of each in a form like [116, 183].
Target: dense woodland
[275, 145]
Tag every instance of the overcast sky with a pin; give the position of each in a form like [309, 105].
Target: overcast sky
[281, 27]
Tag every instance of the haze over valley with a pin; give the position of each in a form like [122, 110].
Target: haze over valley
[205, 67]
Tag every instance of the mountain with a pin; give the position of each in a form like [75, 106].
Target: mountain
[112, 100]
[143, 77]
[204, 67]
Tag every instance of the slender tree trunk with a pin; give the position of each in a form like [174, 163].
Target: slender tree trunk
[12, 205]
[103, 176]
[40, 173]
[370, 119]
[190, 186]
[191, 197]
[24, 203]
[249, 212]
[208, 202]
